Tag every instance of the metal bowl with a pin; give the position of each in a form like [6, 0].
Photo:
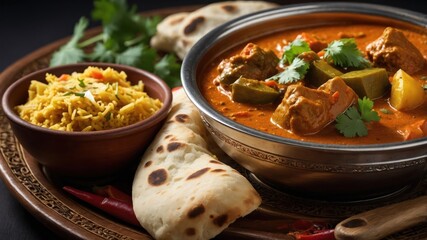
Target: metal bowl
[325, 171]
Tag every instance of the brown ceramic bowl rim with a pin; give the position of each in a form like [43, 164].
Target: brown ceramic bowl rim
[192, 61]
[125, 130]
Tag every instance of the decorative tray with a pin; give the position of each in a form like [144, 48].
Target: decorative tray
[42, 195]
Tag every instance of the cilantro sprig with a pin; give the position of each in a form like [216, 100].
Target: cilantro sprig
[293, 73]
[71, 52]
[297, 67]
[353, 121]
[344, 53]
[292, 50]
[124, 40]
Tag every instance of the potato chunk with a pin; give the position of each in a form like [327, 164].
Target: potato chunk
[406, 92]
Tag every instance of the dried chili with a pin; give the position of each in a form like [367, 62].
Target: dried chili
[117, 208]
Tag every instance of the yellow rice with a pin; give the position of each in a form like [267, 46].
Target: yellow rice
[96, 99]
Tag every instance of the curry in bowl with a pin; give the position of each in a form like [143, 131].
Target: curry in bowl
[334, 84]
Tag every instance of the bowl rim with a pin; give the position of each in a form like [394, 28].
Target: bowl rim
[114, 132]
[189, 66]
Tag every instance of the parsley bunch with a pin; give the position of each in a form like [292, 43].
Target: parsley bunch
[124, 40]
[351, 123]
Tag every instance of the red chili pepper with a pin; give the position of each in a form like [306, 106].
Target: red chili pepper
[112, 192]
[121, 210]
[321, 235]
[309, 230]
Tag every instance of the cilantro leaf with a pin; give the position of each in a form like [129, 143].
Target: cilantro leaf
[131, 56]
[351, 123]
[124, 39]
[168, 69]
[150, 27]
[70, 52]
[294, 72]
[344, 53]
[365, 108]
[119, 22]
[292, 50]
[101, 54]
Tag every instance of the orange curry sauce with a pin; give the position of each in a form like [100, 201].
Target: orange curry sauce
[258, 116]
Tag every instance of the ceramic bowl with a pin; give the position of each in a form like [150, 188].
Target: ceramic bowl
[92, 155]
[326, 171]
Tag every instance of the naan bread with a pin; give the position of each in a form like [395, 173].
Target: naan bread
[179, 32]
[167, 32]
[181, 190]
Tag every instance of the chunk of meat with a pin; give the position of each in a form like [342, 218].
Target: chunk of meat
[253, 62]
[393, 51]
[305, 110]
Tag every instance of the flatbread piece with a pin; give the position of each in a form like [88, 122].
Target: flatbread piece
[181, 190]
[179, 32]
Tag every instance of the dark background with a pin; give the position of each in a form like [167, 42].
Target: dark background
[28, 25]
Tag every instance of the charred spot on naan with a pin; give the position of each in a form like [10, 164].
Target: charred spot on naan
[158, 177]
[229, 8]
[198, 173]
[172, 146]
[196, 211]
[218, 170]
[220, 220]
[147, 164]
[160, 149]
[182, 118]
[192, 26]
[215, 162]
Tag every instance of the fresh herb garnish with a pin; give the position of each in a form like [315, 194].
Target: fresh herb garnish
[71, 52]
[292, 50]
[168, 66]
[79, 94]
[125, 39]
[81, 83]
[116, 90]
[344, 53]
[351, 123]
[294, 72]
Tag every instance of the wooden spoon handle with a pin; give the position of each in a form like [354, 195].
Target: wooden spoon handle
[381, 222]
